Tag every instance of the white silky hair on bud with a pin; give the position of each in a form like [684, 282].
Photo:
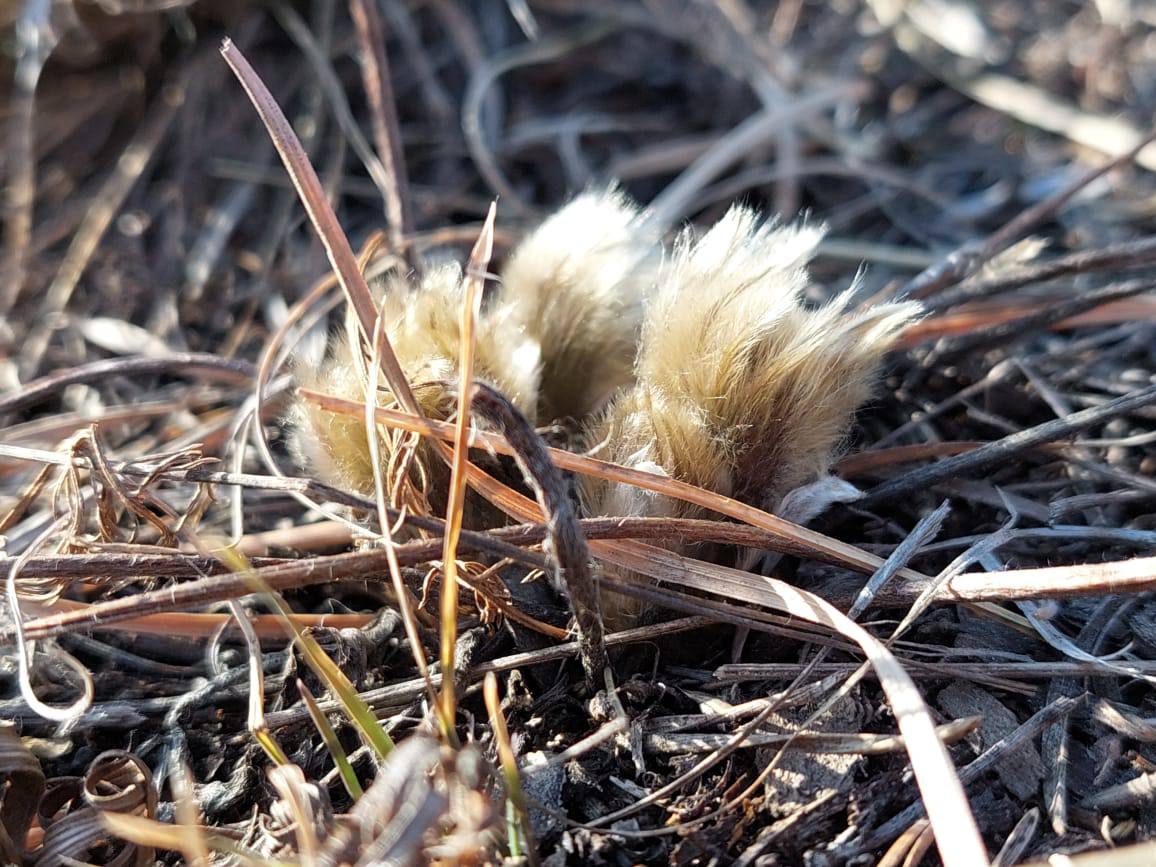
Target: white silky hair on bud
[578, 284]
[740, 388]
[557, 335]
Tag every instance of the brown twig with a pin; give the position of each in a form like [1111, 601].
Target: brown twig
[131, 165]
[1127, 256]
[993, 454]
[178, 364]
[383, 111]
[966, 260]
[1046, 316]
[283, 575]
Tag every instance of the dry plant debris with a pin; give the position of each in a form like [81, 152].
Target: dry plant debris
[700, 613]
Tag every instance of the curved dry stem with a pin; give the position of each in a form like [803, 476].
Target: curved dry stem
[567, 541]
[25, 650]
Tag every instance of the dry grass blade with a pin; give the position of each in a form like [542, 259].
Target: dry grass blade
[313, 197]
[908, 850]
[367, 725]
[291, 785]
[955, 830]
[520, 836]
[179, 624]
[975, 320]
[115, 783]
[329, 738]
[864, 743]
[371, 731]
[26, 649]
[182, 838]
[405, 602]
[1022, 322]
[1018, 841]
[800, 539]
[257, 727]
[194, 844]
[1124, 576]
[470, 309]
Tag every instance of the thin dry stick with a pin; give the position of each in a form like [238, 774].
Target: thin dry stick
[106, 203]
[400, 693]
[1001, 451]
[1016, 329]
[1116, 257]
[956, 832]
[110, 564]
[1058, 582]
[180, 363]
[926, 528]
[1141, 309]
[35, 39]
[273, 355]
[379, 93]
[740, 671]
[966, 260]
[862, 743]
[973, 771]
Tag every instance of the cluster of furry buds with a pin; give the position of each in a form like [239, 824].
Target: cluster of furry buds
[701, 362]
